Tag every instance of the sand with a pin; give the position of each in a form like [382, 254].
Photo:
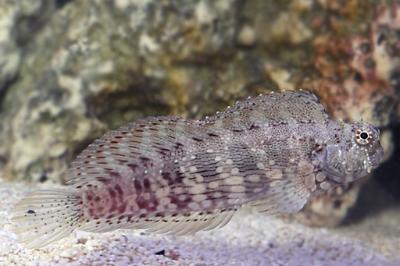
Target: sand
[249, 239]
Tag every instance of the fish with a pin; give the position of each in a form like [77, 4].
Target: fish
[171, 175]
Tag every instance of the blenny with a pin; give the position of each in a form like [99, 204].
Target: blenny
[175, 175]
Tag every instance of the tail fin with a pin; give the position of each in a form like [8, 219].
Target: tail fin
[46, 216]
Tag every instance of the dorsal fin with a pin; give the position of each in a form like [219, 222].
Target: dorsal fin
[280, 107]
[127, 149]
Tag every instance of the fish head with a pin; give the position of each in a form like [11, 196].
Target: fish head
[355, 153]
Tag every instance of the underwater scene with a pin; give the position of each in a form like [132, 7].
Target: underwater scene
[199, 132]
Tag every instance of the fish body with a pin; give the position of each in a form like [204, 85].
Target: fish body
[174, 175]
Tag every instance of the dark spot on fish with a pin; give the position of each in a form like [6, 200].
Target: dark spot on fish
[114, 174]
[119, 190]
[197, 139]
[142, 203]
[164, 152]
[102, 179]
[132, 167]
[212, 134]
[145, 161]
[179, 176]
[138, 185]
[114, 148]
[122, 161]
[129, 218]
[178, 145]
[167, 176]
[111, 192]
[146, 183]
[244, 159]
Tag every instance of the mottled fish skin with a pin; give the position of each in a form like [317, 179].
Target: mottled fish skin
[172, 175]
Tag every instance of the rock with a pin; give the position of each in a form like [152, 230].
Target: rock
[357, 83]
[85, 67]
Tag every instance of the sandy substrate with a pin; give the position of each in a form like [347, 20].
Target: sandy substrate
[249, 239]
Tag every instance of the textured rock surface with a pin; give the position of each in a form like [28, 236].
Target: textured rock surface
[84, 67]
[249, 239]
[70, 70]
[358, 80]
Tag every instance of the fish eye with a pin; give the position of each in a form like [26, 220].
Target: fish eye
[363, 136]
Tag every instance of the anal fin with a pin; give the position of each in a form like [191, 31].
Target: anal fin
[187, 224]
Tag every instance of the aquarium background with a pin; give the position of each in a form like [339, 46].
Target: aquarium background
[71, 70]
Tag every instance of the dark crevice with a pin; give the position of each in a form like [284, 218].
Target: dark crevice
[61, 3]
[5, 85]
[115, 108]
[27, 26]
